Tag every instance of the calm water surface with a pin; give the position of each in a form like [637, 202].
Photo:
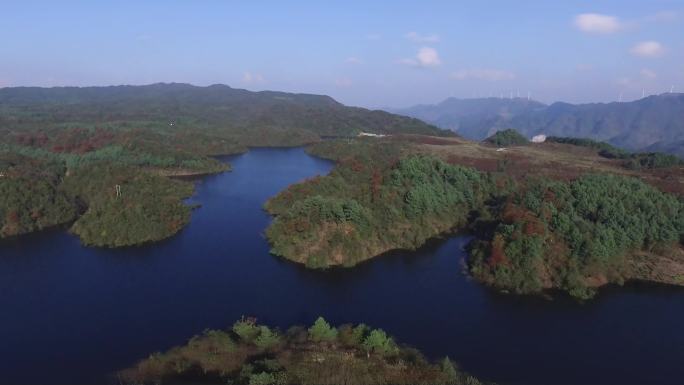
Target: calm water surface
[74, 315]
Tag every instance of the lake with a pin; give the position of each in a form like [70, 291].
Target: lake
[74, 315]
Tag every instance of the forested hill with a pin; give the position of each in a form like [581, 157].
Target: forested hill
[217, 107]
[651, 123]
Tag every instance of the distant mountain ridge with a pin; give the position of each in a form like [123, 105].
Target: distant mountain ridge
[472, 118]
[218, 106]
[648, 124]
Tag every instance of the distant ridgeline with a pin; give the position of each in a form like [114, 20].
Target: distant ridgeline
[254, 354]
[534, 230]
[651, 124]
[64, 150]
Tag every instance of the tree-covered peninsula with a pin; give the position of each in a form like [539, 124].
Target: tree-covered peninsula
[254, 354]
[574, 230]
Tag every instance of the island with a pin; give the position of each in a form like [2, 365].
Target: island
[256, 354]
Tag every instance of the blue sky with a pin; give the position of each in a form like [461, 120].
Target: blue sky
[381, 53]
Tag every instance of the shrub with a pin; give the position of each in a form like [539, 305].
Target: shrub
[352, 336]
[246, 329]
[509, 137]
[267, 338]
[262, 378]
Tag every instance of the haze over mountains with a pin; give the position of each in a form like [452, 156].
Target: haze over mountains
[654, 123]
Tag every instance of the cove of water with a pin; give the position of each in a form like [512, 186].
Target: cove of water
[74, 315]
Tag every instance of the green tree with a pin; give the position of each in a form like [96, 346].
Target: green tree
[321, 331]
[449, 371]
[378, 342]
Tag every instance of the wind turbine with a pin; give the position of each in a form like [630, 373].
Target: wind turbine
[643, 93]
[672, 89]
[528, 96]
[620, 98]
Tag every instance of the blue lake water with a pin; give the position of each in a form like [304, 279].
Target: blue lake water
[74, 315]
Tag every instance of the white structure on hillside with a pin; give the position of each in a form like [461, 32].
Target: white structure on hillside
[372, 135]
[539, 138]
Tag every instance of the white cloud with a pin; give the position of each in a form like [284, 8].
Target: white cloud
[426, 57]
[418, 38]
[648, 49]
[353, 60]
[343, 82]
[486, 74]
[648, 74]
[251, 78]
[597, 23]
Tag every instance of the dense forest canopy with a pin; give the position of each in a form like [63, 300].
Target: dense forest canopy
[365, 207]
[555, 234]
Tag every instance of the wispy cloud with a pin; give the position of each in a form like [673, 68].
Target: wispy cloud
[353, 60]
[251, 78]
[426, 57]
[486, 74]
[597, 23]
[422, 39]
[648, 49]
